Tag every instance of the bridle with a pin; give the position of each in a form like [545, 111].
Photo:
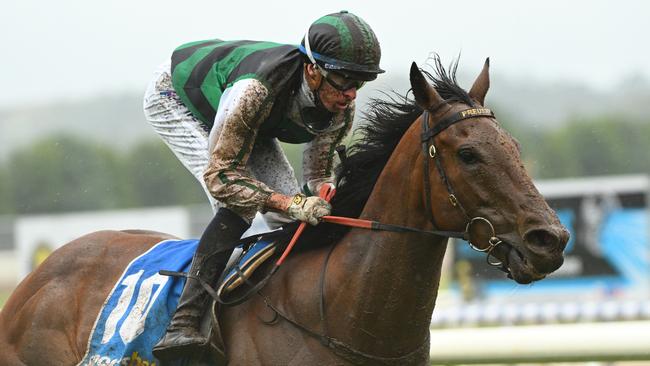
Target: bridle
[430, 152]
[429, 149]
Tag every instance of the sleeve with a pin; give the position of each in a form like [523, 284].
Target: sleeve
[242, 109]
[319, 154]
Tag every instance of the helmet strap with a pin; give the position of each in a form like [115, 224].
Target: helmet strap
[317, 101]
[316, 92]
[308, 48]
[324, 72]
[315, 118]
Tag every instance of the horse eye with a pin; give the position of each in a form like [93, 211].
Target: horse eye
[467, 156]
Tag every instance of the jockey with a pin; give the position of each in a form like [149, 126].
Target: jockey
[222, 106]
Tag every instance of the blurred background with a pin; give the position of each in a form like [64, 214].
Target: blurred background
[570, 80]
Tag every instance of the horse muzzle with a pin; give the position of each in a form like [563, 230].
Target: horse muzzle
[531, 257]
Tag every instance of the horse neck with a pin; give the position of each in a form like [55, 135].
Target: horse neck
[390, 280]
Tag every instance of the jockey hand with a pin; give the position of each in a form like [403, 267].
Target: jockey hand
[308, 209]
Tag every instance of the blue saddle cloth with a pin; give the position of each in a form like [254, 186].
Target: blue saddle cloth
[142, 299]
[138, 309]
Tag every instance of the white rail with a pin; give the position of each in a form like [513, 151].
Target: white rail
[542, 343]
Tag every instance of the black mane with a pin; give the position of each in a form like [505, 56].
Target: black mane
[385, 123]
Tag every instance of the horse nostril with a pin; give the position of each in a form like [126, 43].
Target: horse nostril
[544, 239]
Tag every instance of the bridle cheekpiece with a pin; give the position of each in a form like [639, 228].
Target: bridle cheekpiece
[429, 149]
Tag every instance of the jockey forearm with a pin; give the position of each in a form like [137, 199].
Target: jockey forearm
[240, 193]
[278, 202]
[232, 138]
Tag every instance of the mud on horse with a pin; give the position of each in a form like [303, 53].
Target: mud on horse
[348, 296]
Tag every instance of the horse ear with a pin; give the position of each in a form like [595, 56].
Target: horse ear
[481, 84]
[425, 95]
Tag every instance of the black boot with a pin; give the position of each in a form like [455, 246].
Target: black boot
[183, 335]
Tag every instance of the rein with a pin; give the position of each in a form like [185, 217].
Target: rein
[339, 347]
[378, 226]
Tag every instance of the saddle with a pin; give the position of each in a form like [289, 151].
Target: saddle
[244, 265]
[239, 282]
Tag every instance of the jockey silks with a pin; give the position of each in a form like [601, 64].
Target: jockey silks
[203, 71]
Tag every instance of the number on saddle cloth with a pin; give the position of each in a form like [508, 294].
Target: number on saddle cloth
[137, 310]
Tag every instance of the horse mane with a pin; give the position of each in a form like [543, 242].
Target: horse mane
[383, 126]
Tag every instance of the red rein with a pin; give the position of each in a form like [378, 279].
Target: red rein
[327, 191]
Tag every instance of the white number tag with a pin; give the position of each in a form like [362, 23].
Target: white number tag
[133, 325]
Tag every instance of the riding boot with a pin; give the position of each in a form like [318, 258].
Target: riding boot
[183, 335]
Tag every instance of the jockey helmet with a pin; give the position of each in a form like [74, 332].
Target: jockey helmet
[344, 44]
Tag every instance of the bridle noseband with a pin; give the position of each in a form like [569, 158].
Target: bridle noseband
[429, 149]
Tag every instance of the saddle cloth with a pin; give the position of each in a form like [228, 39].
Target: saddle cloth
[136, 312]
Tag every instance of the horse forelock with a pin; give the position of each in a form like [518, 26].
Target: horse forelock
[445, 81]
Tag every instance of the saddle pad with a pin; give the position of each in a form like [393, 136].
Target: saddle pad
[141, 299]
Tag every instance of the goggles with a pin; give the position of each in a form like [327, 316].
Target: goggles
[340, 82]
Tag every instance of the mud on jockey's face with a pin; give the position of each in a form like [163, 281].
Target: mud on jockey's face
[335, 91]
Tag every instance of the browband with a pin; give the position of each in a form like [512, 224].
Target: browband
[456, 117]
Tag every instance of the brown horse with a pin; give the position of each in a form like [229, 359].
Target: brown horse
[362, 297]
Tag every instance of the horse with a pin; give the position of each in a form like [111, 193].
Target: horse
[436, 165]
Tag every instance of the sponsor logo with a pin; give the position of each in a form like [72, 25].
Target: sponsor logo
[134, 360]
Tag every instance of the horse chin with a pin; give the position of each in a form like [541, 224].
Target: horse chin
[520, 270]
[516, 265]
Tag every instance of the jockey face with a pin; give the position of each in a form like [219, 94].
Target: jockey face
[335, 91]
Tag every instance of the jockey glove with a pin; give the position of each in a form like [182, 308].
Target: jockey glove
[308, 209]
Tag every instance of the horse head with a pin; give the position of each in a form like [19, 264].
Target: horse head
[476, 177]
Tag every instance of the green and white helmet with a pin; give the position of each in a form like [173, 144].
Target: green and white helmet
[343, 43]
